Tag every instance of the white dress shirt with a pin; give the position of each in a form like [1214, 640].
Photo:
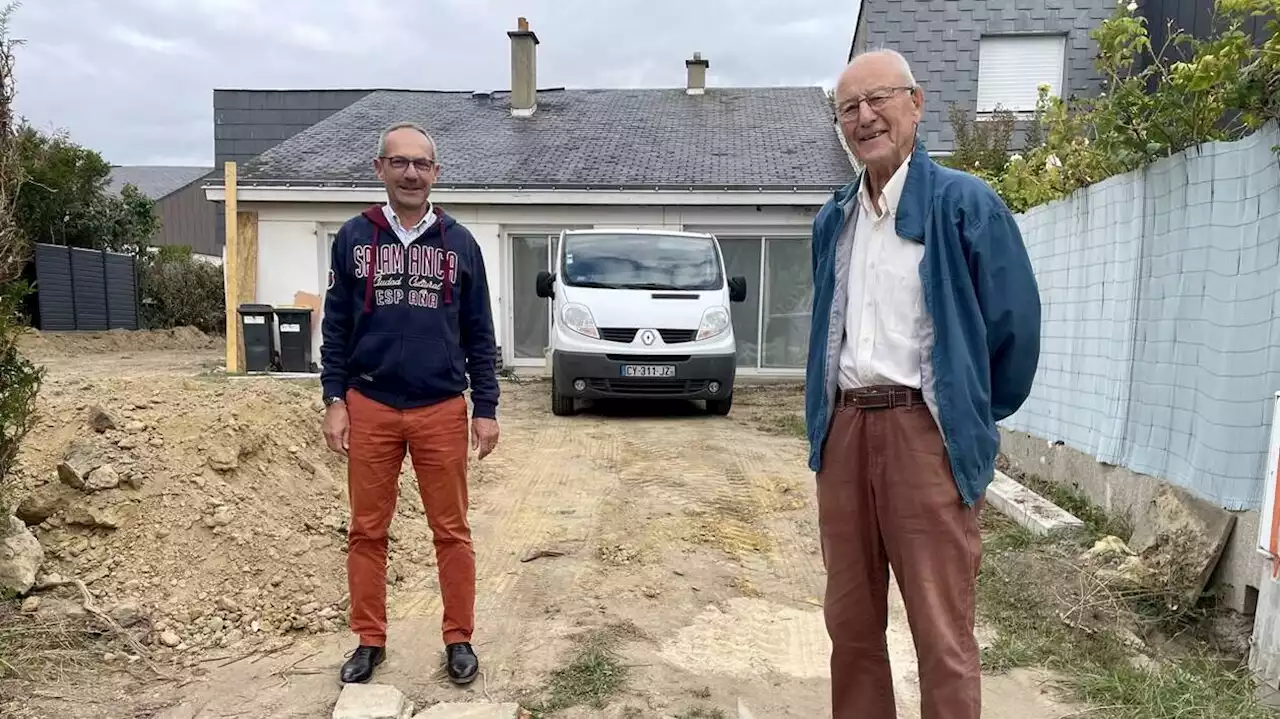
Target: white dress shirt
[886, 327]
[408, 234]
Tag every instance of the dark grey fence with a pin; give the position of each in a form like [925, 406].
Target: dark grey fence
[85, 290]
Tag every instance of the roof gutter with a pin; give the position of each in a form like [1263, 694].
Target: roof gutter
[549, 195]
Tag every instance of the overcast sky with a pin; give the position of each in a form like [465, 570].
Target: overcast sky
[134, 79]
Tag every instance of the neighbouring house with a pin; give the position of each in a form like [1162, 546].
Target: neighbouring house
[752, 165]
[186, 216]
[986, 55]
[980, 55]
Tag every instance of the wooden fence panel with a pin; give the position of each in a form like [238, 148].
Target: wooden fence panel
[79, 289]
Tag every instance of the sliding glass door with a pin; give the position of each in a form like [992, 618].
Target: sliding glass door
[772, 326]
[530, 314]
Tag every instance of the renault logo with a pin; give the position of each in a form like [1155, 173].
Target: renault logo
[647, 337]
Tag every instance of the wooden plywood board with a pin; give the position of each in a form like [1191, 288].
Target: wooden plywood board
[246, 271]
[230, 253]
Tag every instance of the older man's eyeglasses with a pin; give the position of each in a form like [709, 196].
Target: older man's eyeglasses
[400, 164]
[875, 100]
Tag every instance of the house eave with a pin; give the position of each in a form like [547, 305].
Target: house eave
[536, 194]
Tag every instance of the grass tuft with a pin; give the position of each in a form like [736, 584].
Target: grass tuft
[593, 675]
[702, 713]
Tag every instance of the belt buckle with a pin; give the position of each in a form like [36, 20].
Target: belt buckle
[872, 398]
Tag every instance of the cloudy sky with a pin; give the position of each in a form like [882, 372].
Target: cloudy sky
[134, 79]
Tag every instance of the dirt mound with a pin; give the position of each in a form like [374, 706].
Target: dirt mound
[204, 512]
[83, 343]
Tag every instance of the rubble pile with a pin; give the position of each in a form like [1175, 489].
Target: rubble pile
[200, 513]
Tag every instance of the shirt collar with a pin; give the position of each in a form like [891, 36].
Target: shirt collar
[889, 196]
[394, 219]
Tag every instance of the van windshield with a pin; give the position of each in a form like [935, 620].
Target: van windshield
[641, 262]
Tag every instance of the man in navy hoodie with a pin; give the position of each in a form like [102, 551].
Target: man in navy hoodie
[406, 321]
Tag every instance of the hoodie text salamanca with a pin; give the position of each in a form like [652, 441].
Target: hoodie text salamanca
[406, 325]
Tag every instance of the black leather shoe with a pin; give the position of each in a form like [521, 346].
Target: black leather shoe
[462, 663]
[359, 668]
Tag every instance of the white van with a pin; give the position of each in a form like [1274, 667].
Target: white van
[641, 314]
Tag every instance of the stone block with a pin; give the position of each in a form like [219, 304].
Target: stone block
[1033, 512]
[372, 701]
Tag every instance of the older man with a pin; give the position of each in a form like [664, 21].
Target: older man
[406, 319]
[926, 320]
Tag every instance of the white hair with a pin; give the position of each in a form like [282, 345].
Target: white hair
[903, 66]
[382, 138]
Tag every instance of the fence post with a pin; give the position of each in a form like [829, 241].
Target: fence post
[106, 287]
[71, 277]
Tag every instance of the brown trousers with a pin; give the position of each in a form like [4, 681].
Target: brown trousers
[436, 439]
[886, 498]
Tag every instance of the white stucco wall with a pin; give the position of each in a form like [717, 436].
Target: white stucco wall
[292, 238]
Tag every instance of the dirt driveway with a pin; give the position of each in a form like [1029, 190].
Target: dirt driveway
[689, 540]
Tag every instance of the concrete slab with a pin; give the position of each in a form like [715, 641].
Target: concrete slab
[1181, 537]
[1033, 512]
[372, 701]
[457, 710]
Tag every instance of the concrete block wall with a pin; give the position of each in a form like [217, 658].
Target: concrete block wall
[1160, 339]
[1160, 332]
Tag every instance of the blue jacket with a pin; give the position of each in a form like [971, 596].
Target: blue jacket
[979, 291]
[403, 329]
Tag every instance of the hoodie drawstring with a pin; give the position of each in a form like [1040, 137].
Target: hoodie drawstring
[368, 275]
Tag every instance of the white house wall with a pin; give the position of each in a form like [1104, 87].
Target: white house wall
[292, 239]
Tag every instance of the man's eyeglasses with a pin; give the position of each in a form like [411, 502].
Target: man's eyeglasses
[876, 101]
[402, 163]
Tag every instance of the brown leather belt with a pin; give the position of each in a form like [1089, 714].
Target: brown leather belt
[880, 397]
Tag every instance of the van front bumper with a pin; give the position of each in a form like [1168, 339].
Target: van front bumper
[623, 376]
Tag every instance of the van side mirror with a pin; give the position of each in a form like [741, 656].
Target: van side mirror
[546, 284]
[737, 289]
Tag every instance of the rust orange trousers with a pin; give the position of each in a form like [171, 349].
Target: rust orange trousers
[435, 438]
[886, 498]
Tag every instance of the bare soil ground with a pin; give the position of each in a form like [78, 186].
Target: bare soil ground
[690, 541]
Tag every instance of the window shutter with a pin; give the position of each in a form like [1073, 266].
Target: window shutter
[1011, 68]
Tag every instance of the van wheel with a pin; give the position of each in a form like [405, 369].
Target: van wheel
[561, 405]
[720, 406]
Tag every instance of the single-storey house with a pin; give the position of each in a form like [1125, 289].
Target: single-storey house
[186, 217]
[752, 165]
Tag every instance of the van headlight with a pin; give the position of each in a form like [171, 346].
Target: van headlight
[714, 322]
[578, 318]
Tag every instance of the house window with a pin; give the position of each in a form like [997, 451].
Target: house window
[1012, 67]
[772, 326]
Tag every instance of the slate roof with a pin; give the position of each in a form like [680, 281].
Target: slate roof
[154, 181]
[616, 138]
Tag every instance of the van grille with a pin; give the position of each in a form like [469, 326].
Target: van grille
[618, 334]
[628, 334]
[672, 337]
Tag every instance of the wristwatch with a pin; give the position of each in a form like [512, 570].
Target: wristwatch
[330, 401]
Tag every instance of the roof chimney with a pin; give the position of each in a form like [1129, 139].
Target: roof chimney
[697, 68]
[524, 69]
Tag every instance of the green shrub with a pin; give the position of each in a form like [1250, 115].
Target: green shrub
[180, 291]
[19, 384]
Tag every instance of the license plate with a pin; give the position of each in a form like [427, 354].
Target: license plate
[648, 370]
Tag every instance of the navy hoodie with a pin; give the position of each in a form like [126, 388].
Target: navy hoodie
[403, 324]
